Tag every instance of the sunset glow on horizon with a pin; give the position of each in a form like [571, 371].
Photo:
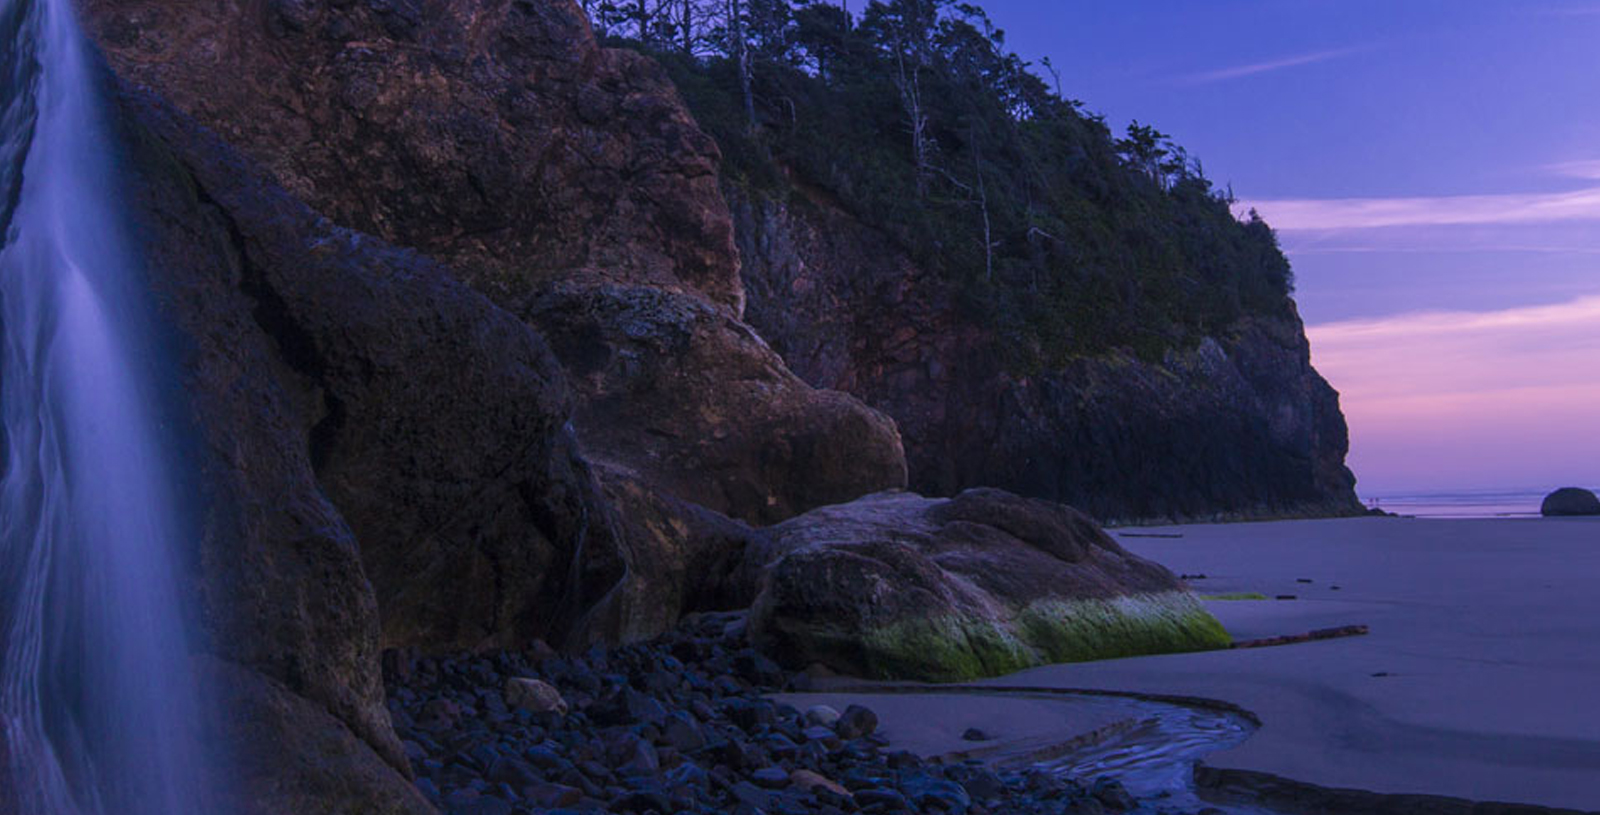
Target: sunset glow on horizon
[1468, 400]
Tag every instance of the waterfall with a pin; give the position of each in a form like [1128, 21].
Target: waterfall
[98, 708]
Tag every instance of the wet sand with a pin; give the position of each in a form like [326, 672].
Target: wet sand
[1480, 677]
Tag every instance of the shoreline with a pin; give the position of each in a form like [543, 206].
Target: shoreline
[1473, 683]
[1212, 784]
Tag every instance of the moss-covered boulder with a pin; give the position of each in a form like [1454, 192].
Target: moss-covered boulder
[897, 586]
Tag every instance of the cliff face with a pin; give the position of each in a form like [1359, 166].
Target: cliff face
[325, 375]
[563, 179]
[1240, 426]
[496, 136]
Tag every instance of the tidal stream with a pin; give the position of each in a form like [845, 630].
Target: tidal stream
[1154, 757]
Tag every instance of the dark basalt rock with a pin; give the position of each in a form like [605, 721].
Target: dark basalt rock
[344, 390]
[899, 586]
[433, 421]
[1569, 501]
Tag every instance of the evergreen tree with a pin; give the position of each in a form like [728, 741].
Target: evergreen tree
[914, 116]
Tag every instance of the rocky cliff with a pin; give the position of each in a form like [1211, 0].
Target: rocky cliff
[564, 180]
[387, 457]
[1239, 426]
[456, 308]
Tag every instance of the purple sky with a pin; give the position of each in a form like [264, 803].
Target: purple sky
[1433, 169]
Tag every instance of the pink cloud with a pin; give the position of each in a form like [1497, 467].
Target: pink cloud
[1469, 399]
[1268, 66]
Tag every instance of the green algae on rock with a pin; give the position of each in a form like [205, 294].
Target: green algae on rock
[1133, 625]
[899, 586]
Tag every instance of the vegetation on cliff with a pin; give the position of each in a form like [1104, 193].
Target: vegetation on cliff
[913, 116]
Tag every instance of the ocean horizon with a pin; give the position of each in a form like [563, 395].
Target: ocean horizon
[1487, 503]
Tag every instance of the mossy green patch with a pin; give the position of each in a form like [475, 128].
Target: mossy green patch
[1235, 595]
[950, 648]
[954, 648]
[1080, 630]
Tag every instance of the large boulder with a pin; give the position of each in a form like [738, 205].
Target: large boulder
[899, 586]
[685, 397]
[361, 421]
[565, 180]
[1570, 501]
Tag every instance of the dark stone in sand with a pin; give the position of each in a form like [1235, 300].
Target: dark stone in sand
[1570, 501]
[1113, 795]
[856, 722]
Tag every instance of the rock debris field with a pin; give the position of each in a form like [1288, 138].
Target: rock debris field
[681, 724]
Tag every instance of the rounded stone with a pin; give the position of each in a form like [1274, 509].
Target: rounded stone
[535, 696]
[821, 715]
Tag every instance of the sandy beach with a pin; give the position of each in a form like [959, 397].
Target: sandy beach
[1478, 679]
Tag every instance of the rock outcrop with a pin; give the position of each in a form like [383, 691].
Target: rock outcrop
[359, 414]
[563, 179]
[495, 136]
[1240, 426]
[1569, 501]
[900, 586]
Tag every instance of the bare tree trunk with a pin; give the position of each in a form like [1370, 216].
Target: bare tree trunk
[688, 28]
[742, 57]
[910, 84]
[983, 203]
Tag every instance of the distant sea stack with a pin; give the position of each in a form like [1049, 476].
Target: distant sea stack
[1570, 501]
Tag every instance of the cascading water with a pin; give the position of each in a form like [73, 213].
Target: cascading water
[97, 707]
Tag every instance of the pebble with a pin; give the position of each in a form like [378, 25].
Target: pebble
[534, 696]
[822, 715]
[856, 722]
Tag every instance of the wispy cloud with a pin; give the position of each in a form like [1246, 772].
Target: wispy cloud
[1571, 11]
[1241, 71]
[1588, 169]
[1371, 213]
[1471, 397]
